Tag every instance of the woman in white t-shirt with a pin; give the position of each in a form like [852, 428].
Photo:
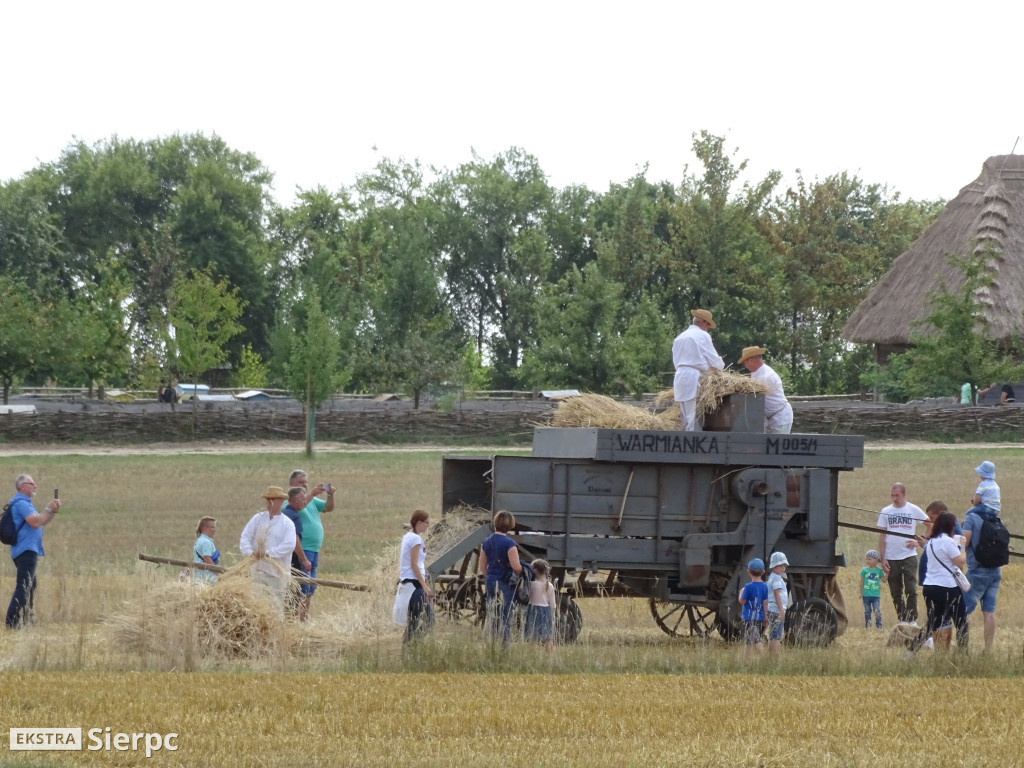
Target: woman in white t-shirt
[411, 570]
[942, 596]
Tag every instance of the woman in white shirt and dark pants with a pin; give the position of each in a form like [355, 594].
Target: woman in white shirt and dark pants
[942, 596]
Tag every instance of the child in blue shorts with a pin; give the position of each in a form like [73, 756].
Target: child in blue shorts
[753, 599]
[778, 601]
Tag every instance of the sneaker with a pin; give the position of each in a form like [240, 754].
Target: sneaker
[929, 644]
[914, 624]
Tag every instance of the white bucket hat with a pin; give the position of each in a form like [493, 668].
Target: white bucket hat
[778, 558]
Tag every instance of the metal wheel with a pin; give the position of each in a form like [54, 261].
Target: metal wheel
[568, 620]
[679, 620]
[464, 602]
[811, 622]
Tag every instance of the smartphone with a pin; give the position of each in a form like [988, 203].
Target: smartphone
[56, 493]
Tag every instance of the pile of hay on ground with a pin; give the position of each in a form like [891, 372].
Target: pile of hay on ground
[236, 618]
[605, 413]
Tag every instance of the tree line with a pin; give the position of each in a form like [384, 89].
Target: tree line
[127, 262]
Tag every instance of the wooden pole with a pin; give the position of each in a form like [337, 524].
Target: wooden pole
[222, 569]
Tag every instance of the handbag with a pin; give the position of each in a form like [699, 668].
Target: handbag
[958, 575]
[400, 611]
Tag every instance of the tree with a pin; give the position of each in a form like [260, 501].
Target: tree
[25, 334]
[717, 257]
[951, 345]
[836, 237]
[313, 374]
[496, 252]
[203, 317]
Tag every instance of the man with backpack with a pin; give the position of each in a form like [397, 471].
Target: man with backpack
[987, 543]
[28, 547]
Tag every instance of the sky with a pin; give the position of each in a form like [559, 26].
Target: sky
[899, 93]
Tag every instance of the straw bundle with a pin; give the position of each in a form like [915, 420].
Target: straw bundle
[599, 411]
[234, 619]
[716, 384]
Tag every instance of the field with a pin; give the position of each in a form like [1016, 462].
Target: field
[348, 694]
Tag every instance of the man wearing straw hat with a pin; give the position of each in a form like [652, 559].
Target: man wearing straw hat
[778, 413]
[692, 354]
[270, 538]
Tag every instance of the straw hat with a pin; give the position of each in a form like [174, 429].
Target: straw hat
[703, 314]
[275, 492]
[749, 352]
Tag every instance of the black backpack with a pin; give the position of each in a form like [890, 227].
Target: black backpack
[521, 584]
[992, 546]
[8, 531]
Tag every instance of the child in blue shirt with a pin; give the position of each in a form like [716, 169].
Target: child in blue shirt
[986, 495]
[753, 598]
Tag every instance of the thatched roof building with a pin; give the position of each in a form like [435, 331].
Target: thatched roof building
[986, 217]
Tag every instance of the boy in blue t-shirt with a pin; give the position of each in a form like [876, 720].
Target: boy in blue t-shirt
[754, 598]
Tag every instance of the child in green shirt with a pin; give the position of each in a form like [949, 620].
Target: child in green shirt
[871, 588]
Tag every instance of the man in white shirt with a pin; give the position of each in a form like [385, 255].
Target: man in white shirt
[778, 413]
[270, 538]
[899, 554]
[692, 354]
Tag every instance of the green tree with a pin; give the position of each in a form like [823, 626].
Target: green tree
[718, 258]
[252, 373]
[203, 316]
[836, 237]
[313, 374]
[952, 344]
[410, 338]
[26, 340]
[497, 254]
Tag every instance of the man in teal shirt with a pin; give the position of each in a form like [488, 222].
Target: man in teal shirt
[312, 530]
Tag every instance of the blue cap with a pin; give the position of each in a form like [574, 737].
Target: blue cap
[757, 564]
[986, 470]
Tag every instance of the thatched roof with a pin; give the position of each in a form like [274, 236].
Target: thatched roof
[987, 216]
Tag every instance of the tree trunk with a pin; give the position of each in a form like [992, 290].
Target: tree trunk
[310, 427]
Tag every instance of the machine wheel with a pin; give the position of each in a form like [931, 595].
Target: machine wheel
[679, 619]
[728, 628]
[811, 622]
[464, 602]
[568, 620]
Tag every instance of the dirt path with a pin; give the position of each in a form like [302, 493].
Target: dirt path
[297, 446]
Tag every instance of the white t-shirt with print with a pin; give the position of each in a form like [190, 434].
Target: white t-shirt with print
[900, 520]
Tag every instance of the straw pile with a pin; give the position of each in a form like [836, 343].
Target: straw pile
[234, 619]
[602, 412]
[716, 384]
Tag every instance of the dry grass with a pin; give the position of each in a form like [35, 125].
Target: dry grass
[456, 720]
[716, 384]
[605, 413]
[626, 694]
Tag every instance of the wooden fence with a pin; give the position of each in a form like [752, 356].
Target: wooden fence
[889, 421]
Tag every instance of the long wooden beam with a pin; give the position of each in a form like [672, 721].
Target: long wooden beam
[221, 569]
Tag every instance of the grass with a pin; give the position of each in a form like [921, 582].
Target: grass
[626, 694]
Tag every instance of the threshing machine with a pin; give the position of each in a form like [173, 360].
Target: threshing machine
[673, 517]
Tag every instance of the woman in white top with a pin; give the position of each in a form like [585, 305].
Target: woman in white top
[411, 570]
[942, 596]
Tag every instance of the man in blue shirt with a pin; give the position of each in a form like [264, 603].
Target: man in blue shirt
[29, 547]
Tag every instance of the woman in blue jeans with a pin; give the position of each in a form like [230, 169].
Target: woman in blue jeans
[499, 559]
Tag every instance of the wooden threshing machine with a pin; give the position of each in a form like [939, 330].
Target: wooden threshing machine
[669, 516]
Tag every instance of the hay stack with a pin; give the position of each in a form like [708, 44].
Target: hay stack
[599, 411]
[235, 618]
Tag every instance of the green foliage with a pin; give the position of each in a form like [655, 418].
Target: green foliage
[951, 346]
[26, 338]
[251, 372]
[313, 373]
[473, 375]
[203, 316]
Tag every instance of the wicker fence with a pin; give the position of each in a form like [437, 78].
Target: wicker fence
[905, 422]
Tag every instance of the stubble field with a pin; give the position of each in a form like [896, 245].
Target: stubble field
[626, 694]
